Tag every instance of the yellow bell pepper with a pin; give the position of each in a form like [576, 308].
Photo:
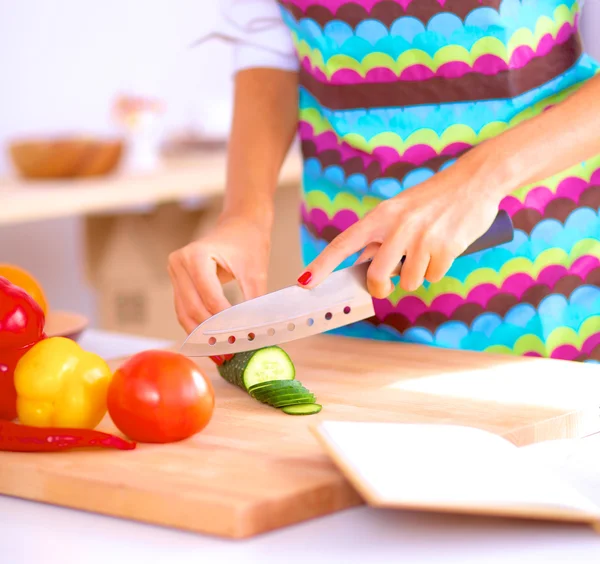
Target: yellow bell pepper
[60, 385]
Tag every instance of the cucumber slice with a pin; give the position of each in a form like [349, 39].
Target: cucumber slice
[246, 369]
[262, 385]
[280, 390]
[269, 387]
[270, 398]
[283, 402]
[302, 409]
[287, 395]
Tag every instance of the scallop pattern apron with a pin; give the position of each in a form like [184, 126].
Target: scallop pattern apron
[393, 91]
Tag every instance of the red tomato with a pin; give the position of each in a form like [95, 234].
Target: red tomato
[160, 397]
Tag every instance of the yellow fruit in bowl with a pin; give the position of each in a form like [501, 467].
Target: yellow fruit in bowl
[26, 281]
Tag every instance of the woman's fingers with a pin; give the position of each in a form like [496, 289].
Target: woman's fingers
[384, 263]
[188, 304]
[414, 268]
[203, 273]
[343, 246]
[184, 319]
[369, 252]
[416, 262]
[438, 266]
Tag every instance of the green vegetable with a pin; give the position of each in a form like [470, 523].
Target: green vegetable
[268, 375]
[269, 391]
[278, 397]
[275, 386]
[302, 409]
[247, 369]
[283, 402]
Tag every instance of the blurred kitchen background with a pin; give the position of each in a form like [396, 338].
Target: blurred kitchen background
[63, 66]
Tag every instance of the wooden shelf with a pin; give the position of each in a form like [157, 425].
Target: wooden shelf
[197, 176]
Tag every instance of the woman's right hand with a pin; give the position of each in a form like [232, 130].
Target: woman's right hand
[237, 248]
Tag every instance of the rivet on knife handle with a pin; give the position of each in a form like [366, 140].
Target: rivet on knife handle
[501, 231]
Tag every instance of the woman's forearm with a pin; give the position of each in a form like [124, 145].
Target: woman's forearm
[545, 145]
[264, 125]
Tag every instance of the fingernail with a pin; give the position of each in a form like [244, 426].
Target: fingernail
[227, 357]
[305, 278]
[218, 360]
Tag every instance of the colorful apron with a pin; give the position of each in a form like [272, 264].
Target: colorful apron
[392, 91]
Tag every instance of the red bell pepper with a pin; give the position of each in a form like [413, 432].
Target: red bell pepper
[22, 438]
[21, 318]
[21, 326]
[8, 393]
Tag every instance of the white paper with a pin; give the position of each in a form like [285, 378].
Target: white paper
[542, 383]
[576, 461]
[447, 466]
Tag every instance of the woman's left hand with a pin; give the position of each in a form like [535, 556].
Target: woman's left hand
[432, 224]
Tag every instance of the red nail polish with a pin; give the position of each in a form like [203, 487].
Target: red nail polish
[305, 278]
[218, 360]
[227, 357]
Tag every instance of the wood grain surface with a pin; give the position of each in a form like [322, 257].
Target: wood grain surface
[255, 469]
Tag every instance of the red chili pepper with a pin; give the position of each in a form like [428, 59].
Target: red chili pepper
[22, 438]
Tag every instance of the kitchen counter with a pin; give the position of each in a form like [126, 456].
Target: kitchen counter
[190, 177]
[33, 532]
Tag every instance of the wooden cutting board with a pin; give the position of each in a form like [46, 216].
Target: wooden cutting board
[255, 469]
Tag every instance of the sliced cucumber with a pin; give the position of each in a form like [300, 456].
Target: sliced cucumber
[274, 386]
[280, 392]
[270, 398]
[302, 409]
[283, 402]
[268, 375]
[246, 369]
[257, 387]
[291, 395]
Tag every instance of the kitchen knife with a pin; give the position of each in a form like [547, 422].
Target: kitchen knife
[295, 312]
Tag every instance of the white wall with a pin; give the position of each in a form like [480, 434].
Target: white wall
[62, 61]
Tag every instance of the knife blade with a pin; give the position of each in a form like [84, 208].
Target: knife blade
[295, 312]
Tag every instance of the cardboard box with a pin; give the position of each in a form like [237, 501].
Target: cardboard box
[127, 258]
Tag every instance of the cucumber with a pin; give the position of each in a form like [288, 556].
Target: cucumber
[258, 387]
[275, 386]
[246, 369]
[309, 398]
[302, 409]
[284, 402]
[270, 398]
[268, 375]
[279, 390]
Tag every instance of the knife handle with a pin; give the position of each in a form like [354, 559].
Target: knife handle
[501, 231]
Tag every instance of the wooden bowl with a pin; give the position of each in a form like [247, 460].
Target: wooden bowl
[65, 324]
[65, 157]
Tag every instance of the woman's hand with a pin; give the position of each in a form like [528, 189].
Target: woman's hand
[432, 224]
[238, 248]
[264, 123]
[436, 221]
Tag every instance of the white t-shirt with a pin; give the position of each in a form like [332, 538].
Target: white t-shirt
[259, 35]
